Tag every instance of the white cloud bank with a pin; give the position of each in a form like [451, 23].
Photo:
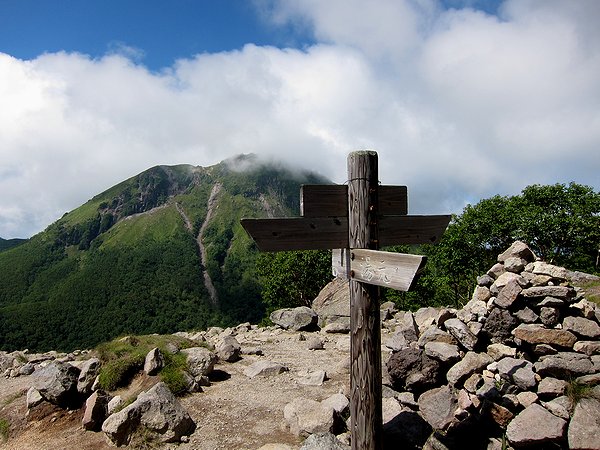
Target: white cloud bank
[460, 106]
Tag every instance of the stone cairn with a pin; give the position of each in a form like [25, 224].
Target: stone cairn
[518, 365]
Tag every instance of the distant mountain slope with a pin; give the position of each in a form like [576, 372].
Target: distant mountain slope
[129, 259]
[5, 244]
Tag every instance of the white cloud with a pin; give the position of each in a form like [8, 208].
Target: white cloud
[460, 105]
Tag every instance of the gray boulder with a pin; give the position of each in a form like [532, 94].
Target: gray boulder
[579, 326]
[57, 383]
[295, 319]
[305, 416]
[443, 352]
[228, 349]
[508, 294]
[88, 374]
[96, 411]
[499, 325]
[461, 332]
[437, 406]
[157, 411]
[517, 371]
[201, 361]
[584, 426]
[564, 365]
[333, 302]
[536, 426]
[412, 370]
[154, 362]
[517, 249]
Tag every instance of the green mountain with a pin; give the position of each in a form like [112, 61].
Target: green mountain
[160, 252]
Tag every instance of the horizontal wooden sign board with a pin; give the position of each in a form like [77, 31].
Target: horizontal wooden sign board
[323, 200]
[394, 270]
[395, 230]
[321, 233]
[298, 233]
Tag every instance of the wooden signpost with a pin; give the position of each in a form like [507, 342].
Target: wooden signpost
[354, 221]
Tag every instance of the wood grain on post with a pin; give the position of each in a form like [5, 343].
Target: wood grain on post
[365, 343]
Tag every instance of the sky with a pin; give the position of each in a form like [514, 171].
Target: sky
[462, 99]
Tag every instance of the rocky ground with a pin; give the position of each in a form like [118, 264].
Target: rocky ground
[234, 412]
[517, 367]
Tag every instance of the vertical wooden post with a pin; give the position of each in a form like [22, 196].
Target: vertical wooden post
[365, 343]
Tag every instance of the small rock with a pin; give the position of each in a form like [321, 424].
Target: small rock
[339, 326]
[338, 402]
[87, 376]
[537, 334]
[114, 404]
[264, 369]
[311, 377]
[471, 363]
[445, 353]
[157, 410]
[498, 351]
[315, 343]
[527, 398]
[461, 332]
[201, 361]
[582, 327]
[551, 387]
[588, 347]
[564, 365]
[323, 441]
[34, 398]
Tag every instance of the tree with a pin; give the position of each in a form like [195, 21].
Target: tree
[294, 278]
[561, 224]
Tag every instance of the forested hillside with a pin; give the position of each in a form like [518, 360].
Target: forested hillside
[129, 260]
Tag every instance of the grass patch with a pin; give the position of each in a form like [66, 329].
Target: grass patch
[4, 429]
[592, 291]
[123, 358]
[173, 373]
[577, 391]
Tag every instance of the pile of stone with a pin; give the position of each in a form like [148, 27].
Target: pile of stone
[520, 361]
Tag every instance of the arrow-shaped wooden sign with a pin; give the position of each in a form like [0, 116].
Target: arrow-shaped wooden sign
[394, 270]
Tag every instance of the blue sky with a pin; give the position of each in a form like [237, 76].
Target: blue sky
[462, 99]
[161, 31]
